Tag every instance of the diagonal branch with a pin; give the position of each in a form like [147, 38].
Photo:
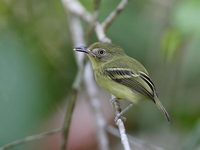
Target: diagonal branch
[137, 143]
[114, 14]
[30, 139]
[77, 9]
[101, 35]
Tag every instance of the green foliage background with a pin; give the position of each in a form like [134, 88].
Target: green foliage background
[37, 65]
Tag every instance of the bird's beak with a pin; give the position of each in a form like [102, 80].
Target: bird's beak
[82, 49]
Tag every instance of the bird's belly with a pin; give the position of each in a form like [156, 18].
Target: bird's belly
[118, 90]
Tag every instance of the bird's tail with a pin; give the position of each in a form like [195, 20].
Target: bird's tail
[161, 108]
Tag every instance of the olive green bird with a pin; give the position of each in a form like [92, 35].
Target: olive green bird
[121, 75]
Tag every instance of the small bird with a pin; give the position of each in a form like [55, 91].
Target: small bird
[121, 75]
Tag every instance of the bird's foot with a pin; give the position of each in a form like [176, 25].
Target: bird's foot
[119, 112]
[126, 109]
[119, 116]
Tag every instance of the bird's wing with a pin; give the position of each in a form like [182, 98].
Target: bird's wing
[139, 82]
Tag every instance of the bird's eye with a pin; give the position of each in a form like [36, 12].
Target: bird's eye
[101, 52]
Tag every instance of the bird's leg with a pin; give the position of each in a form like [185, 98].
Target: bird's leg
[120, 115]
[118, 111]
[126, 109]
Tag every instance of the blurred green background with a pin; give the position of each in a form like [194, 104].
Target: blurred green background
[37, 66]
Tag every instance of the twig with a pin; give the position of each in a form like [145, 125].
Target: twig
[113, 15]
[95, 102]
[138, 143]
[124, 138]
[101, 33]
[77, 38]
[120, 124]
[76, 8]
[69, 111]
[96, 8]
[30, 139]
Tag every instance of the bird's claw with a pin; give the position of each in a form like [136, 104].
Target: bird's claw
[119, 116]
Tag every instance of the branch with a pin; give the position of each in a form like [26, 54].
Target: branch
[30, 139]
[96, 8]
[120, 124]
[114, 14]
[69, 110]
[78, 40]
[96, 105]
[77, 9]
[138, 143]
[100, 32]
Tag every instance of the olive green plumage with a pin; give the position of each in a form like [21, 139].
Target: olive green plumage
[121, 75]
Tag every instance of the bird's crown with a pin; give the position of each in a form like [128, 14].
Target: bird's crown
[104, 50]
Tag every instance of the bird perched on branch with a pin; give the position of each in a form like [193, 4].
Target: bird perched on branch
[121, 75]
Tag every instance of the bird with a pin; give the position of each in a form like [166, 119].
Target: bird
[121, 75]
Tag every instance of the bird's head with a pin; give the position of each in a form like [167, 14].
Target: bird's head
[100, 53]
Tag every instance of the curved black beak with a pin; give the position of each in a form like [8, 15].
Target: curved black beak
[81, 49]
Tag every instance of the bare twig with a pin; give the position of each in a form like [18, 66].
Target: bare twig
[30, 139]
[95, 102]
[135, 142]
[101, 33]
[69, 111]
[77, 38]
[113, 15]
[96, 8]
[124, 138]
[76, 8]
[120, 124]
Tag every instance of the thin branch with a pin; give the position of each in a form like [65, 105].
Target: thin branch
[114, 14]
[124, 138]
[95, 13]
[97, 5]
[69, 111]
[77, 8]
[120, 124]
[100, 32]
[96, 8]
[77, 38]
[96, 105]
[138, 143]
[30, 139]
